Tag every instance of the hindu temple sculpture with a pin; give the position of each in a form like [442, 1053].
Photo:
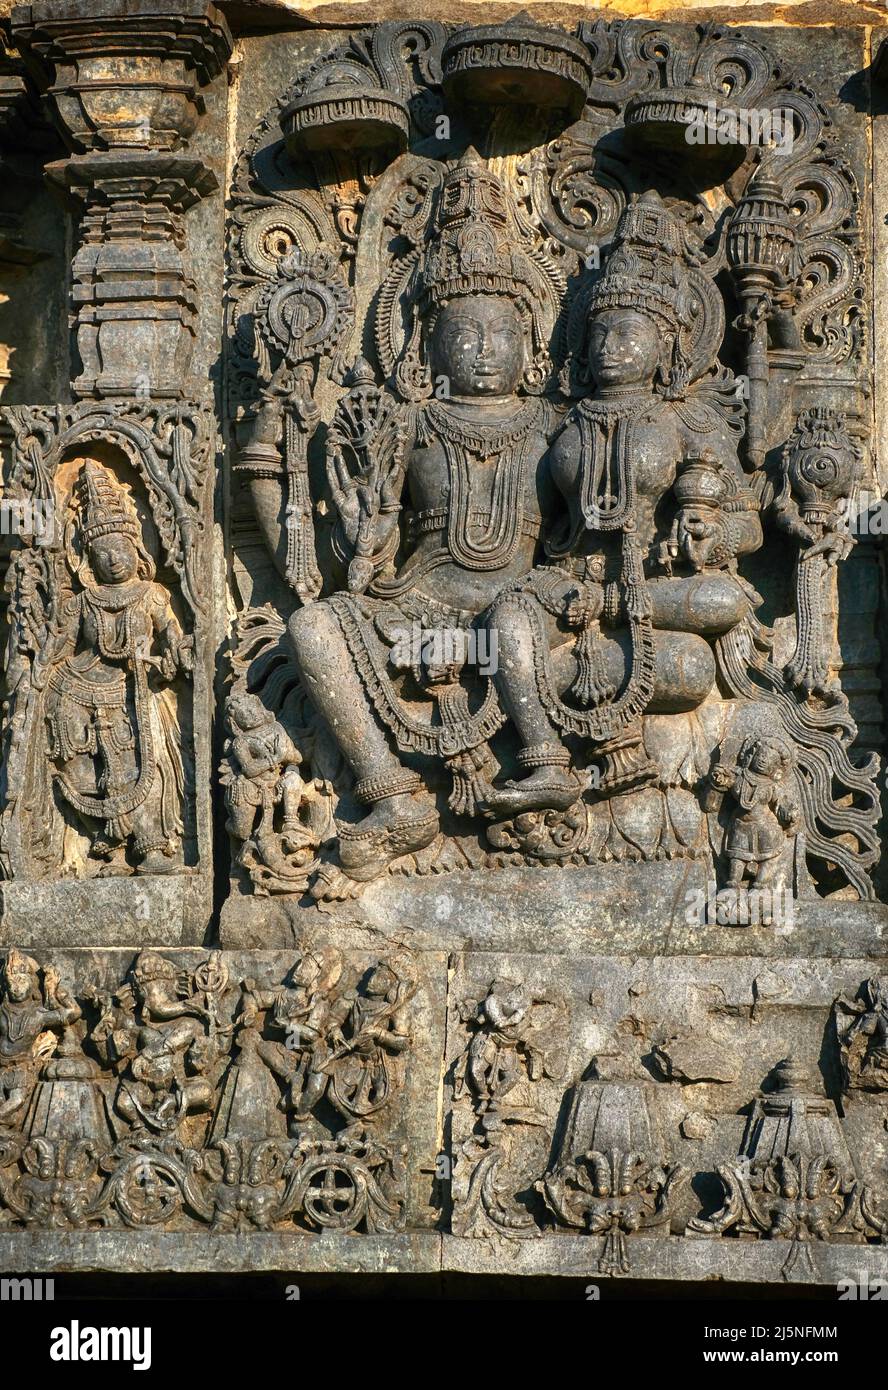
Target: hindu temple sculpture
[146, 1095]
[114, 743]
[102, 648]
[862, 1029]
[471, 465]
[28, 1018]
[551, 462]
[262, 778]
[615, 460]
[443, 599]
[765, 809]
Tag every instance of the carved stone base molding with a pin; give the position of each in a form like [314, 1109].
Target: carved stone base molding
[678, 1259]
[602, 1115]
[442, 489]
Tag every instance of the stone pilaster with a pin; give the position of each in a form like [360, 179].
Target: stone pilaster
[123, 81]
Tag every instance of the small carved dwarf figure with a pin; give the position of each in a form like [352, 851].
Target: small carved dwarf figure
[310, 1013]
[862, 1029]
[264, 774]
[502, 1051]
[377, 1033]
[767, 811]
[28, 1019]
[114, 740]
[493, 1066]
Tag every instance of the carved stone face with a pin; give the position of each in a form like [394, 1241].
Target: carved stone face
[306, 972]
[478, 346]
[18, 985]
[624, 348]
[114, 559]
[765, 760]
[247, 712]
[380, 982]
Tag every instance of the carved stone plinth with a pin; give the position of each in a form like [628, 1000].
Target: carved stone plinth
[441, 788]
[134, 301]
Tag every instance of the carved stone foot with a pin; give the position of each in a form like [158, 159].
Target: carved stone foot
[395, 827]
[545, 789]
[331, 885]
[156, 862]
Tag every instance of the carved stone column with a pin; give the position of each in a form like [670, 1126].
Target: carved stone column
[123, 82]
[111, 826]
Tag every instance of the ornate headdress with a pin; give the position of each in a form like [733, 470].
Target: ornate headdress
[475, 244]
[474, 247]
[149, 966]
[645, 269]
[651, 269]
[17, 963]
[103, 505]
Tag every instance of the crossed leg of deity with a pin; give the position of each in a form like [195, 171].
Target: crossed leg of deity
[682, 611]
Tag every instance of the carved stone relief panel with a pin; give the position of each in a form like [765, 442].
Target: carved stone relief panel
[635, 1102]
[526, 611]
[111, 649]
[442, 719]
[106, 658]
[176, 1092]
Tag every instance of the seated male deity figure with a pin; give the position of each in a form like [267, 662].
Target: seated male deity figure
[471, 466]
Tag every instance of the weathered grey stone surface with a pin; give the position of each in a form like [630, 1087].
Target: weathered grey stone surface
[443, 728]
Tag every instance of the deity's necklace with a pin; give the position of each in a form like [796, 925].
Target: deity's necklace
[103, 606]
[606, 426]
[507, 441]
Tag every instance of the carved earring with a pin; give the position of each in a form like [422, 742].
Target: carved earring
[536, 373]
[413, 376]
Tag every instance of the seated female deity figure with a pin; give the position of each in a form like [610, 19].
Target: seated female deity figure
[605, 632]
[478, 490]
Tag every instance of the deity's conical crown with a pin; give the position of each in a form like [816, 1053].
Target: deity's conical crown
[646, 268]
[104, 507]
[473, 239]
[17, 963]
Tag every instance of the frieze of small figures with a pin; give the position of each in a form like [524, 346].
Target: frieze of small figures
[183, 1097]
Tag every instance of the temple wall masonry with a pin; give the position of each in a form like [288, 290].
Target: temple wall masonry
[443, 470]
